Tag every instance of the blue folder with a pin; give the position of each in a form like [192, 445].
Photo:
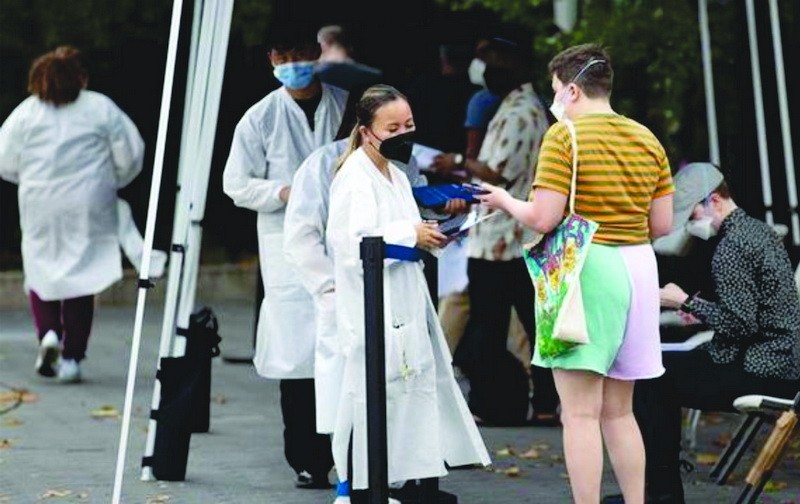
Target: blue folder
[433, 196]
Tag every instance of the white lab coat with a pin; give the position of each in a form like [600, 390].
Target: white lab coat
[305, 248]
[270, 142]
[428, 421]
[69, 161]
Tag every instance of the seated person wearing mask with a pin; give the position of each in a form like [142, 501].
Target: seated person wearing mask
[684, 259]
[754, 312]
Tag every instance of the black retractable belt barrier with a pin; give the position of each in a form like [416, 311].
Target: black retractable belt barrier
[171, 450]
[373, 252]
[202, 345]
[185, 401]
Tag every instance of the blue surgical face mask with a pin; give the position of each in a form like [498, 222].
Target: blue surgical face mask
[295, 75]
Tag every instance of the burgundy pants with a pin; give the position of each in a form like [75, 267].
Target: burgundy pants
[70, 319]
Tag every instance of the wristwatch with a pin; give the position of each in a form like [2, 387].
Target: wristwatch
[458, 159]
[686, 306]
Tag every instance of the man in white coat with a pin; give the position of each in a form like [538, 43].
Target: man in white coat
[271, 140]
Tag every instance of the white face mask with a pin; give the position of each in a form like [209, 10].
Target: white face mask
[476, 68]
[558, 109]
[702, 228]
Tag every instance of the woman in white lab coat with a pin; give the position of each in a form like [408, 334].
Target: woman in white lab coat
[69, 150]
[304, 247]
[427, 418]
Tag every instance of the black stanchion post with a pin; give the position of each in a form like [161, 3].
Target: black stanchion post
[429, 488]
[372, 258]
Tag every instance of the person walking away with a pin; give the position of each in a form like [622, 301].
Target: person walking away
[69, 150]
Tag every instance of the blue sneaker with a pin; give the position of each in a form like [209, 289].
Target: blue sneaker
[342, 493]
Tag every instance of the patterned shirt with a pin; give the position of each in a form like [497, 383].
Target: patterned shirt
[510, 148]
[622, 168]
[756, 318]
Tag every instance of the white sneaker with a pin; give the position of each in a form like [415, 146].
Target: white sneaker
[49, 353]
[69, 371]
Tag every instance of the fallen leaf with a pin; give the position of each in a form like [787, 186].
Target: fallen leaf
[5, 443]
[5, 498]
[775, 486]
[15, 395]
[105, 411]
[49, 494]
[564, 476]
[220, 399]
[531, 454]
[512, 471]
[557, 458]
[158, 499]
[541, 447]
[707, 458]
[82, 495]
[12, 422]
[508, 451]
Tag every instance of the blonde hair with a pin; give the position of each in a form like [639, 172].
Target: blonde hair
[373, 98]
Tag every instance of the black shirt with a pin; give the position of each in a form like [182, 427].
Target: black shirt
[309, 107]
[756, 318]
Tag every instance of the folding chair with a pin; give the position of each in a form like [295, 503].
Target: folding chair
[772, 451]
[758, 410]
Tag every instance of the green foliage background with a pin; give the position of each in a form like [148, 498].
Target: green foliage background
[655, 49]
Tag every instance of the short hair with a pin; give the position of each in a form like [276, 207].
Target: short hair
[507, 53]
[334, 35]
[723, 190]
[289, 36]
[574, 64]
[58, 76]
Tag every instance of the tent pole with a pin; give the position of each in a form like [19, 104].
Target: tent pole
[786, 133]
[758, 99]
[144, 282]
[708, 79]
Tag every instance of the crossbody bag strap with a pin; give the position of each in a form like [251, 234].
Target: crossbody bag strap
[574, 137]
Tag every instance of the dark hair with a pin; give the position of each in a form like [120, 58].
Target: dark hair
[723, 190]
[57, 77]
[508, 53]
[373, 98]
[288, 36]
[575, 64]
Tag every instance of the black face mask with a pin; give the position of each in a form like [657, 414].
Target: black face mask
[499, 81]
[397, 148]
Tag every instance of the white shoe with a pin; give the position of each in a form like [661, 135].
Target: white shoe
[49, 353]
[69, 371]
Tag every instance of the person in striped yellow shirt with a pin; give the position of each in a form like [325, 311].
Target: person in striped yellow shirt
[625, 185]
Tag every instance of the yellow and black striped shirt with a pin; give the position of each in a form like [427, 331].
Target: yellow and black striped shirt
[622, 168]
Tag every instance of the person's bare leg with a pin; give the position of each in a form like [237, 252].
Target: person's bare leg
[581, 394]
[623, 439]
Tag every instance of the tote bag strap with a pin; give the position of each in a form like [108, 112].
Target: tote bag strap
[574, 137]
